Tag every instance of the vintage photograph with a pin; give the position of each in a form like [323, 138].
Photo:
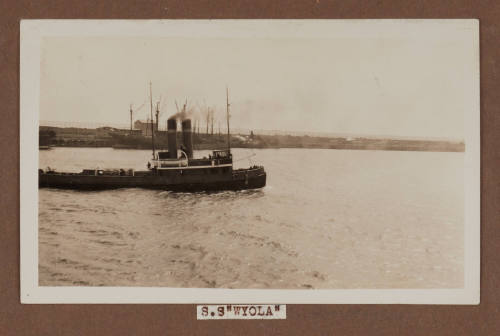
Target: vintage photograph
[238, 155]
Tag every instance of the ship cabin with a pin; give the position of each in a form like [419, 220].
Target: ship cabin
[164, 160]
[219, 162]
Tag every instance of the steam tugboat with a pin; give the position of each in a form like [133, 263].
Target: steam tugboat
[174, 170]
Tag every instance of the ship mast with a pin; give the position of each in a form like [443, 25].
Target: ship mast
[227, 117]
[152, 120]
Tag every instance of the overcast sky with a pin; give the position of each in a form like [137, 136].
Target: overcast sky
[401, 86]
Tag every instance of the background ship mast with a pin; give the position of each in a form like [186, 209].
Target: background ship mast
[157, 115]
[152, 120]
[227, 117]
[159, 112]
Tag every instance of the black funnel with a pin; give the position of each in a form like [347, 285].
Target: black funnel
[172, 138]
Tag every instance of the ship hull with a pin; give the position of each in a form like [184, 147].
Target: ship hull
[237, 180]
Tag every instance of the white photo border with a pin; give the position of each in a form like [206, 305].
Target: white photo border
[32, 33]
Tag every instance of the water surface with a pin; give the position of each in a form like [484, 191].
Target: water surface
[326, 219]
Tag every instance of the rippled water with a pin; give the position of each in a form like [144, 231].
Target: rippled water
[326, 219]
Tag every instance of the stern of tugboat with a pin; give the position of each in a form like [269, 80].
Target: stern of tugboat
[250, 178]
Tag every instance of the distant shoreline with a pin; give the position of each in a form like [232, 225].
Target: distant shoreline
[340, 148]
[126, 139]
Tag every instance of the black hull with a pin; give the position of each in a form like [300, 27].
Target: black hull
[240, 180]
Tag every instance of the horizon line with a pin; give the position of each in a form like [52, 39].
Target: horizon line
[235, 131]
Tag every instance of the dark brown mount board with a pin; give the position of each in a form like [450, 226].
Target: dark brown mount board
[17, 319]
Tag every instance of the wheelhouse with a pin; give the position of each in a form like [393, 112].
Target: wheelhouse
[221, 157]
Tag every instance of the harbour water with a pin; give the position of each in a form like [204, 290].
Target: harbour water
[326, 219]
